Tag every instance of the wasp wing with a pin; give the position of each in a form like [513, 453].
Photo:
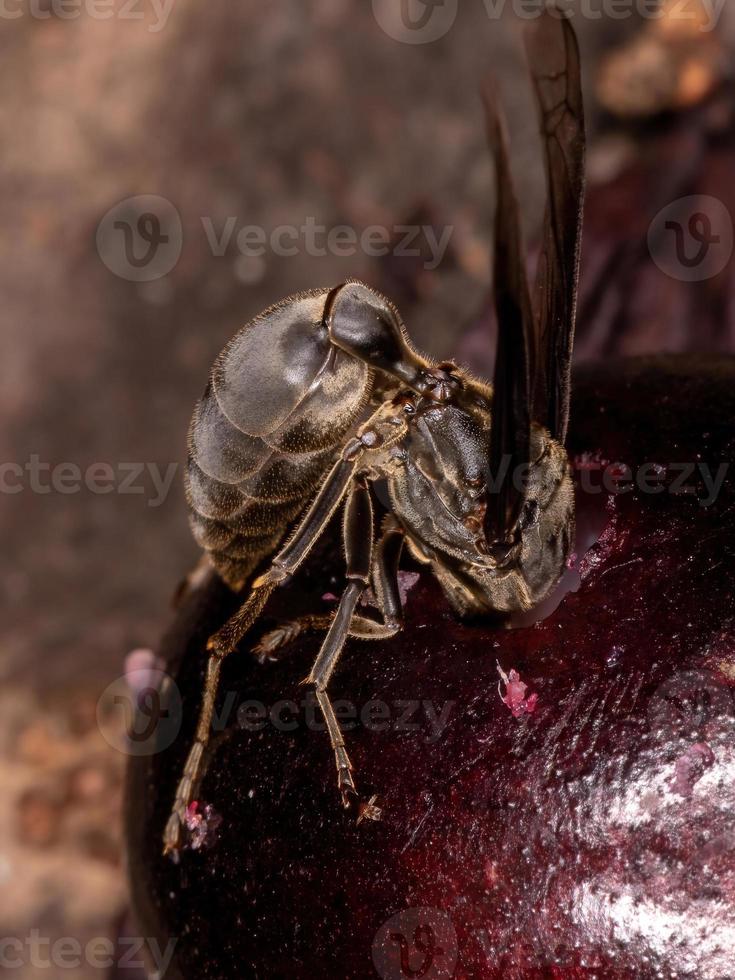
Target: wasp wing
[511, 420]
[553, 56]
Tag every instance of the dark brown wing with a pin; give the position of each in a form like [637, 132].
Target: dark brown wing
[553, 57]
[511, 420]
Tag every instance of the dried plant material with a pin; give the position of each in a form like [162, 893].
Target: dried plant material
[202, 823]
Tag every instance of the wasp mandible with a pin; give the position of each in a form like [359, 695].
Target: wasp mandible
[323, 394]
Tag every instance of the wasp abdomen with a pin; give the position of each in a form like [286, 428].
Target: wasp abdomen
[278, 404]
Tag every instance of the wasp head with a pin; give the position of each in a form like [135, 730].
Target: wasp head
[442, 492]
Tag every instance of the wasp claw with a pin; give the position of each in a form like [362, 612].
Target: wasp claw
[173, 853]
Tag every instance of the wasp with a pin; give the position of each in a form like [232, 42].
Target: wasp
[323, 394]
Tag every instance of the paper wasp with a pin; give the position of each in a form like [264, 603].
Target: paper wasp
[322, 395]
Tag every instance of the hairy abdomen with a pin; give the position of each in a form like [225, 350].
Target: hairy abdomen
[279, 403]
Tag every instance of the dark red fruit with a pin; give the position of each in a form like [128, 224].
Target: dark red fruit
[582, 826]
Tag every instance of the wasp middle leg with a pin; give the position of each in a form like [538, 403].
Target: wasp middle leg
[358, 545]
[362, 627]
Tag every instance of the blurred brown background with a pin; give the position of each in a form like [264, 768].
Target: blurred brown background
[272, 115]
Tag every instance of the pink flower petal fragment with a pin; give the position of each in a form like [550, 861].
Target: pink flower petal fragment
[514, 697]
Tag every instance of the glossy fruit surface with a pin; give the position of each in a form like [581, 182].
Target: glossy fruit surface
[579, 826]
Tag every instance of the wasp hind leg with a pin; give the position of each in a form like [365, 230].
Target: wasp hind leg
[225, 640]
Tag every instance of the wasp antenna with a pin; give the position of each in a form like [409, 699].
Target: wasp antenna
[553, 58]
[510, 427]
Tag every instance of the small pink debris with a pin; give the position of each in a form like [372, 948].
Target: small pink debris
[589, 462]
[329, 597]
[144, 672]
[515, 694]
[202, 826]
[690, 767]
[406, 581]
